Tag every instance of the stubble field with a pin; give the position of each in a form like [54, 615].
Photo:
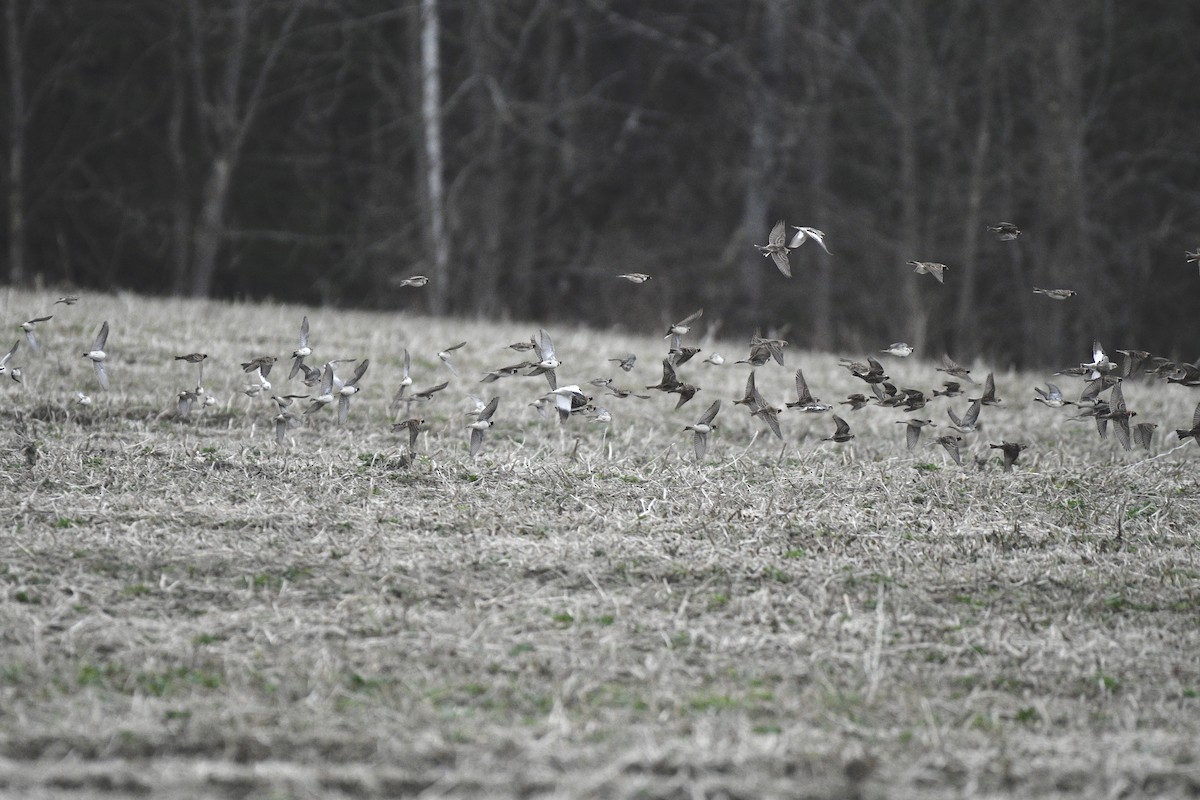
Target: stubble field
[188, 610]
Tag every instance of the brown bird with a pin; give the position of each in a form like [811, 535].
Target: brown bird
[841, 433]
[855, 401]
[804, 397]
[670, 382]
[952, 445]
[1195, 431]
[776, 248]
[1119, 415]
[1143, 432]
[1010, 450]
[951, 367]
[912, 432]
[262, 363]
[989, 392]
[414, 426]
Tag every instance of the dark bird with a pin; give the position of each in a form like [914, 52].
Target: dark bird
[912, 432]
[1119, 415]
[284, 420]
[1135, 361]
[952, 445]
[1010, 451]
[855, 401]
[804, 397]
[1195, 431]
[950, 389]
[670, 382]
[1143, 432]
[682, 355]
[751, 394]
[930, 268]
[1051, 396]
[769, 414]
[841, 433]
[989, 392]
[951, 367]
[427, 394]
[1005, 231]
[67, 300]
[702, 428]
[625, 363]
[414, 426]
[686, 392]
[263, 364]
[969, 421]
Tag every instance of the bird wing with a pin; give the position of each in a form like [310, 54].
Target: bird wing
[1195, 415]
[700, 444]
[989, 387]
[778, 234]
[407, 362]
[490, 408]
[359, 371]
[708, 416]
[781, 261]
[102, 337]
[842, 425]
[304, 331]
[545, 348]
[1116, 401]
[803, 395]
[912, 435]
[690, 318]
[100, 373]
[972, 415]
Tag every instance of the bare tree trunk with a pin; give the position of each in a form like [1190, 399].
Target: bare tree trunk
[431, 117]
[16, 146]
[915, 314]
[229, 119]
[180, 205]
[820, 151]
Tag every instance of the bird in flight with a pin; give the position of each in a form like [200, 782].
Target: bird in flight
[929, 268]
[702, 428]
[1005, 231]
[97, 355]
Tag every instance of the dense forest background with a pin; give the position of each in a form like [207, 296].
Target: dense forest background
[522, 152]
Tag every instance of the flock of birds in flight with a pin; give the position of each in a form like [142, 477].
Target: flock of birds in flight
[1100, 376]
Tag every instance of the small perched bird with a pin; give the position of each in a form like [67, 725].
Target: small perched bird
[97, 355]
[481, 424]
[625, 363]
[680, 329]
[776, 248]
[444, 355]
[1051, 397]
[414, 426]
[969, 421]
[912, 433]
[898, 349]
[951, 367]
[952, 445]
[1010, 451]
[635, 277]
[804, 397]
[1056, 294]
[1143, 432]
[1194, 433]
[930, 268]
[841, 433]
[1005, 231]
[702, 428]
[28, 325]
[67, 300]
[4, 361]
[547, 362]
[303, 351]
[415, 281]
[803, 234]
[989, 392]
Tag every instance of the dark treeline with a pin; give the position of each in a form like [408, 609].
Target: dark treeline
[275, 148]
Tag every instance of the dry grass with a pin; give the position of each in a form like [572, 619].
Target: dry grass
[188, 611]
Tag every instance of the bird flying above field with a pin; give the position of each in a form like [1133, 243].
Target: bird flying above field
[547, 362]
[803, 234]
[482, 422]
[841, 433]
[4, 361]
[989, 392]
[348, 389]
[98, 356]
[912, 432]
[898, 349]
[414, 426]
[1011, 451]
[678, 330]
[415, 281]
[969, 421]
[951, 367]
[444, 355]
[702, 428]
[1051, 397]
[28, 326]
[302, 351]
[804, 397]
[776, 248]
[952, 445]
